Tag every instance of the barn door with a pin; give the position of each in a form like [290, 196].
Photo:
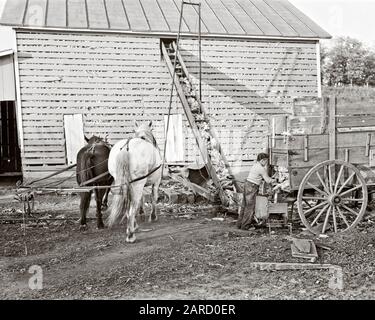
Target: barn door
[10, 155]
[175, 142]
[74, 138]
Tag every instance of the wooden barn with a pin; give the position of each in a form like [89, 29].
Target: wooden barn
[70, 68]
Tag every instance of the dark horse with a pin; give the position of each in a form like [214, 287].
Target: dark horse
[92, 161]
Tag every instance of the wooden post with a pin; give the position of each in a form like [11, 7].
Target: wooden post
[306, 148]
[331, 102]
[368, 142]
[324, 116]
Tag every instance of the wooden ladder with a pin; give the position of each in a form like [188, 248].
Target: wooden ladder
[199, 122]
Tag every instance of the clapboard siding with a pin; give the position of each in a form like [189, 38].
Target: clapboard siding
[244, 83]
[113, 80]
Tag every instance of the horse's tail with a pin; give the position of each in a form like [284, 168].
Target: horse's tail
[84, 166]
[121, 198]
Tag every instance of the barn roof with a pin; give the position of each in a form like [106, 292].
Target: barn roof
[236, 18]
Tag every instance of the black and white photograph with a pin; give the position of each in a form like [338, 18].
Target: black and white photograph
[205, 152]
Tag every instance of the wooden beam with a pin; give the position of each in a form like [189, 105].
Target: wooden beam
[204, 111]
[318, 70]
[195, 188]
[291, 266]
[197, 135]
[331, 101]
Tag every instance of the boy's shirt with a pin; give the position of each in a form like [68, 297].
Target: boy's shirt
[257, 173]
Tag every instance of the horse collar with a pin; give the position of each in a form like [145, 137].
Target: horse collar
[127, 143]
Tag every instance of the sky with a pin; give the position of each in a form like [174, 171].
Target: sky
[353, 18]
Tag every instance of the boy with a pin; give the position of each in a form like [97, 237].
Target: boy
[258, 172]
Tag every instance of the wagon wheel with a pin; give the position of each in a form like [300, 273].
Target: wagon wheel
[339, 200]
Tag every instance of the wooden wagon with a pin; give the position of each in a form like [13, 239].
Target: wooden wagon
[327, 150]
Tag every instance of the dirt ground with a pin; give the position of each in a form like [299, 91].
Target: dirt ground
[184, 255]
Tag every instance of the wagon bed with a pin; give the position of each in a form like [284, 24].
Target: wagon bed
[328, 150]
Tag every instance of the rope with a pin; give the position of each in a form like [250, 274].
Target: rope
[172, 86]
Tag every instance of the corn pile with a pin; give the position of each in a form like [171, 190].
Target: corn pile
[212, 145]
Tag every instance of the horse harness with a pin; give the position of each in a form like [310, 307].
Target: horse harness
[92, 149]
[149, 173]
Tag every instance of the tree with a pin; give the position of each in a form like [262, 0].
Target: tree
[348, 62]
[369, 73]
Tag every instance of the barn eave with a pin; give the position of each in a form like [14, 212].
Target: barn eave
[168, 34]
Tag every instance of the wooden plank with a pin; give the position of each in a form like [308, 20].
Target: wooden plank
[73, 127]
[319, 69]
[175, 139]
[78, 37]
[49, 161]
[193, 126]
[332, 127]
[7, 80]
[355, 121]
[43, 155]
[154, 15]
[116, 15]
[136, 16]
[46, 148]
[317, 141]
[97, 15]
[36, 13]
[56, 16]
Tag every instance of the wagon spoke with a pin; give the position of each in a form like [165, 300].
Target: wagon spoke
[342, 216]
[346, 182]
[334, 219]
[309, 205]
[344, 195]
[338, 178]
[319, 214]
[330, 178]
[352, 199]
[314, 198]
[350, 190]
[326, 220]
[322, 182]
[316, 207]
[317, 189]
[349, 209]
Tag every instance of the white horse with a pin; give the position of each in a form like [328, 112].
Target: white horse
[134, 163]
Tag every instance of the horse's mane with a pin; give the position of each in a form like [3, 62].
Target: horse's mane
[144, 132]
[97, 140]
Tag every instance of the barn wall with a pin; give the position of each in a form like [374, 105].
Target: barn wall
[112, 80]
[244, 83]
[116, 79]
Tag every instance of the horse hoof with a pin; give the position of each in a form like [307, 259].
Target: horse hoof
[153, 218]
[130, 239]
[83, 227]
[101, 225]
